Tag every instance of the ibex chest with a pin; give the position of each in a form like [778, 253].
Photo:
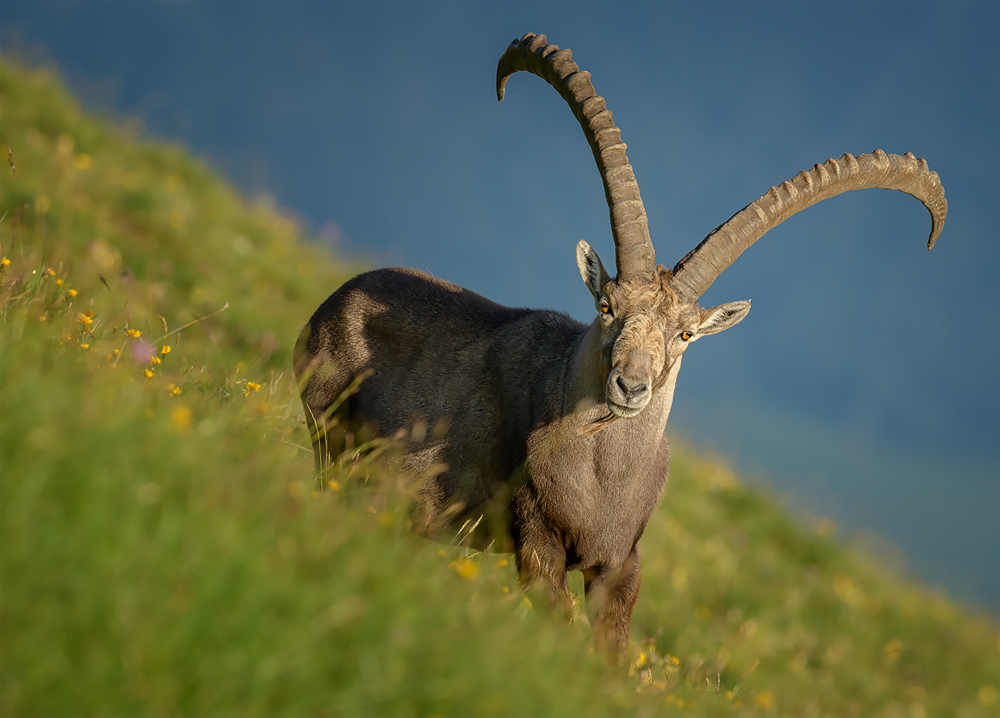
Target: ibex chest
[598, 494]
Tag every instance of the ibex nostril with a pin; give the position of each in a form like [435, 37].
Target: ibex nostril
[631, 389]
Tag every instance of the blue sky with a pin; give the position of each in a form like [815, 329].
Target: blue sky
[863, 384]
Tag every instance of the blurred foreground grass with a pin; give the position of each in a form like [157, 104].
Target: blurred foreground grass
[162, 551]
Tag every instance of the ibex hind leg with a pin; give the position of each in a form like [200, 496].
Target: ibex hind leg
[611, 596]
[540, 556]
[330, 436]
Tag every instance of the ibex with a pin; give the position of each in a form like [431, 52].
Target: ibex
[552, 428]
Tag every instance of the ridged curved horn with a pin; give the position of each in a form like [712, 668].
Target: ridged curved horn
[634, 253]
[696, 272]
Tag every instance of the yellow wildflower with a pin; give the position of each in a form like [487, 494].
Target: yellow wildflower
[154, 360]
[893, 650]
[180, 417]
[764, 699]
[175, 390]
[51, 272]
[176, 218]
[466, 568]
[165, 349]
[4, 262]
[847, 591]
[42, 317]
[85, 346]
[148, 373]
[134, 333]
[83, 161]
[84, 319]
[59, 282]
[333, 484]
[252, 387]
[72, 292]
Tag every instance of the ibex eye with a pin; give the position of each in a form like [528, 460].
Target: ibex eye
[686, 336]
[605, 307]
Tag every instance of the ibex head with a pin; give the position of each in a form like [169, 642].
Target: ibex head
[645, 328]
[649, 314]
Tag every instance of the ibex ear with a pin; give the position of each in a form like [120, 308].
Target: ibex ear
[593, 272]
[722, 317]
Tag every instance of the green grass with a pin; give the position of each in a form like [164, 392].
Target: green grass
[162, 551]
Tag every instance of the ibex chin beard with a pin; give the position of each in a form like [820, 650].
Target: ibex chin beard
[615, 411]
[595, 426]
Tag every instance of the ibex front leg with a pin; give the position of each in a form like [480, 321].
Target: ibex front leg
[611, 596]
[540, 555]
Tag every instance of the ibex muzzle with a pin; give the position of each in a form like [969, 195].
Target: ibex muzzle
[555, 429]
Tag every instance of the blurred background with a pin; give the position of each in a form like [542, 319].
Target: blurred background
[863, 386]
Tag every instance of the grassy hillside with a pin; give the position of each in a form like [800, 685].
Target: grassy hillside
[163, 552]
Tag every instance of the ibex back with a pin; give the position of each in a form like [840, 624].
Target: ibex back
[547, 430]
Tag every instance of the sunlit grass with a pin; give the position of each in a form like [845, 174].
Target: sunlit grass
[165, 548]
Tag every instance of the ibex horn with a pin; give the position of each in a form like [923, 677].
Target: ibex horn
[633, 248]
[696, 272]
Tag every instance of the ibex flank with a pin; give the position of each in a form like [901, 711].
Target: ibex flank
[542, 429]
